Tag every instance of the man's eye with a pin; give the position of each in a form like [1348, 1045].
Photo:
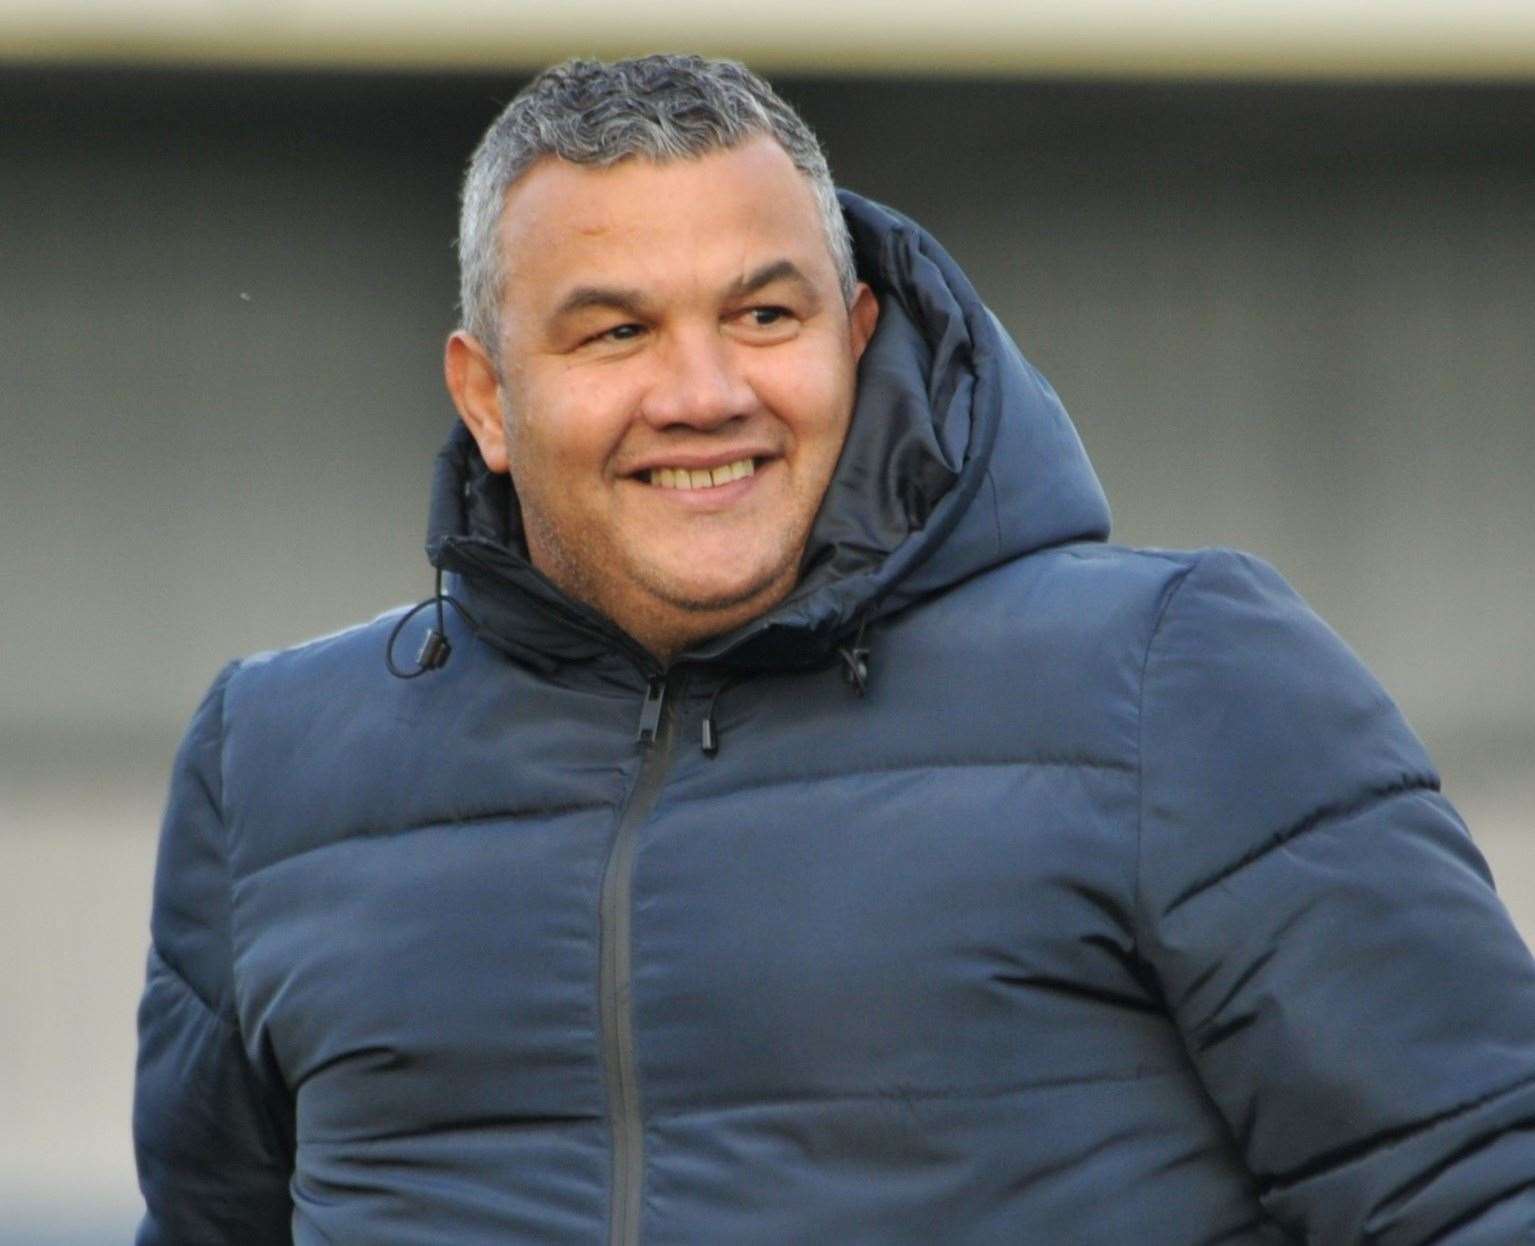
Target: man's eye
[621, 333]
[762, 317]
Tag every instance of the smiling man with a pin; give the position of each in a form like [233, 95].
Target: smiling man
[800, 824]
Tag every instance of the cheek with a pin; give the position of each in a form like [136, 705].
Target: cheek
[569, 421]
[813, 394]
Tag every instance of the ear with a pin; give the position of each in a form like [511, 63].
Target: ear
[474, 382]
[863, 315]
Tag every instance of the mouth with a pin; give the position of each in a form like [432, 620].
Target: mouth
[701, 477]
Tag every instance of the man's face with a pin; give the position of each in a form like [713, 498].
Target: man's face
[678, 371]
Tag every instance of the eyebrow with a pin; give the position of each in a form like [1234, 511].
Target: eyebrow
[768, 274]
[632, 302]
[629, 301]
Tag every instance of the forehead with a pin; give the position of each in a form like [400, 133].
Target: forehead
[658, 225]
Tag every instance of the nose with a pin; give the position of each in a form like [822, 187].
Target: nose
[698, 382]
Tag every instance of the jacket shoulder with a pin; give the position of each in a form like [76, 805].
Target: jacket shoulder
[320, 739]
[1256, 718]
[1107, 593]
[350, 655]
[1039, 658]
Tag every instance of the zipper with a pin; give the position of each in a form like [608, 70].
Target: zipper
[656, 735]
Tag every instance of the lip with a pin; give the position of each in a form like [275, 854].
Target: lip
[713, 498]
[700, 462]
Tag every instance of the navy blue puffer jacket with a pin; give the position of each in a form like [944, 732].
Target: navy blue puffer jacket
[1121, 907]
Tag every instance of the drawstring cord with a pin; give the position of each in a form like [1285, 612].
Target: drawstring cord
[435, 649]
[711, 741]
[855, 672]
[855, 660]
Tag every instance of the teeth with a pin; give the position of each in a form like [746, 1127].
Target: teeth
[702, 478]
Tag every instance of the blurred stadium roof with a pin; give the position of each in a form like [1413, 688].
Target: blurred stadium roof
[1477, 39]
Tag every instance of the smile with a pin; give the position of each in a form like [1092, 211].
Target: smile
[701, 478]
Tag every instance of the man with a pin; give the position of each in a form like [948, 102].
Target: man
[804, 828]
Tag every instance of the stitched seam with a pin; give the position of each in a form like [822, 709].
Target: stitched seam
[1137, 904]
[1471, 1215]
[996, 511]
[1318, 817]
[440, 824]
[186, 985]
[489, 1124]
[909, 1096]
[1340, 1156]
[1092, 551]
[858, 772]
[217, 801]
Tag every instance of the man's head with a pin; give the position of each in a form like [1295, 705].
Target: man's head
[658, 289]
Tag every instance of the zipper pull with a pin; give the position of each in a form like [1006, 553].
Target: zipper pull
[650, 711]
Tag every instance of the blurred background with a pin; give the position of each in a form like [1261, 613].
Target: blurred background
[1278, 259]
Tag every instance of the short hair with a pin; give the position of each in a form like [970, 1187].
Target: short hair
[662, 107]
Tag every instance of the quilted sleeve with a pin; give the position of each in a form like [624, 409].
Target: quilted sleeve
[212, 1127]
[1350, 989]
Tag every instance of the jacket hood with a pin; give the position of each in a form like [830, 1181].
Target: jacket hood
[959, 457]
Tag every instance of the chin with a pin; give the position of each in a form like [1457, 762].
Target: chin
[696, 594]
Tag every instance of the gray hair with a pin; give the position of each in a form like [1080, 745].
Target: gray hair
[664, 107]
